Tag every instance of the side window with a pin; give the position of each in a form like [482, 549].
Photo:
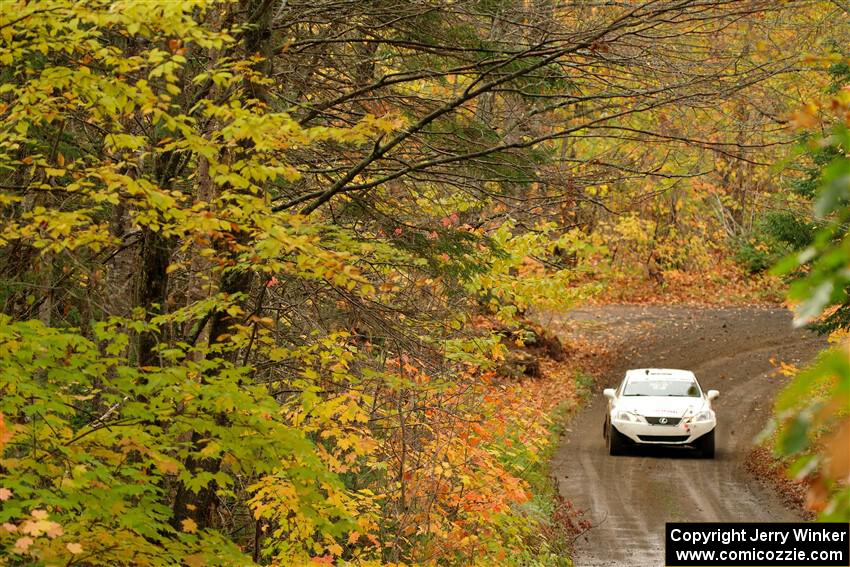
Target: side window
[620, 389]
[699, 393]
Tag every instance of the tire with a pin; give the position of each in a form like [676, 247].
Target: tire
[705, 445]
[616, 441]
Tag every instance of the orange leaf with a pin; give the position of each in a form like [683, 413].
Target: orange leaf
[5, 434]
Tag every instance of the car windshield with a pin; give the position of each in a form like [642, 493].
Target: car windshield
[662, 387]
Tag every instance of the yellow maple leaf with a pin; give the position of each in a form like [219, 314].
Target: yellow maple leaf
[74, 548]
[189, 526]
[167, 466]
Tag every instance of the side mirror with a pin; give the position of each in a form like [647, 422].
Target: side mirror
[712, 394]
[609, 393]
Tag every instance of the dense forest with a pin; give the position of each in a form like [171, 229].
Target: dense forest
[267, 267]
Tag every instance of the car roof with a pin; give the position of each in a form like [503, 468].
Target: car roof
[656, 373]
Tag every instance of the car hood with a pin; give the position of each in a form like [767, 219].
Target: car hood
[661, 405]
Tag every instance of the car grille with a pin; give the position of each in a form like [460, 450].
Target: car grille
[670, 420]
[664, 438]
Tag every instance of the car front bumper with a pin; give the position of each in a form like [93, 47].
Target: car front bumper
[647, 433]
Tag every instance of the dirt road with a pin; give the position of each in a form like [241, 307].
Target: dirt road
[629, 498]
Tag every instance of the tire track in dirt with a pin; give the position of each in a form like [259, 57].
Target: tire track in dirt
[629, 498]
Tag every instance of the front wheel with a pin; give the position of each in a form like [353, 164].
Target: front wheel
[616, 441]
[705, 445]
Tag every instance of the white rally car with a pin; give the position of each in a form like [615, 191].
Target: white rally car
[660, 406]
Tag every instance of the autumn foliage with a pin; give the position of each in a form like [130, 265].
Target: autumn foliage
[191, 415]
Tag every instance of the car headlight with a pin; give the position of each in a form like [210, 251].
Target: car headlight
[628, 416]
[702, 416]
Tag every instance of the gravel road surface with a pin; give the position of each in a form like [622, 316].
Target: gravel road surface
[629, 498]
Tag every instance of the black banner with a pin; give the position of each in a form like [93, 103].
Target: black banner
[747, 544]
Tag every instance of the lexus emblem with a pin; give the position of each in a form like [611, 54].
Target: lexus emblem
[662, 421]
